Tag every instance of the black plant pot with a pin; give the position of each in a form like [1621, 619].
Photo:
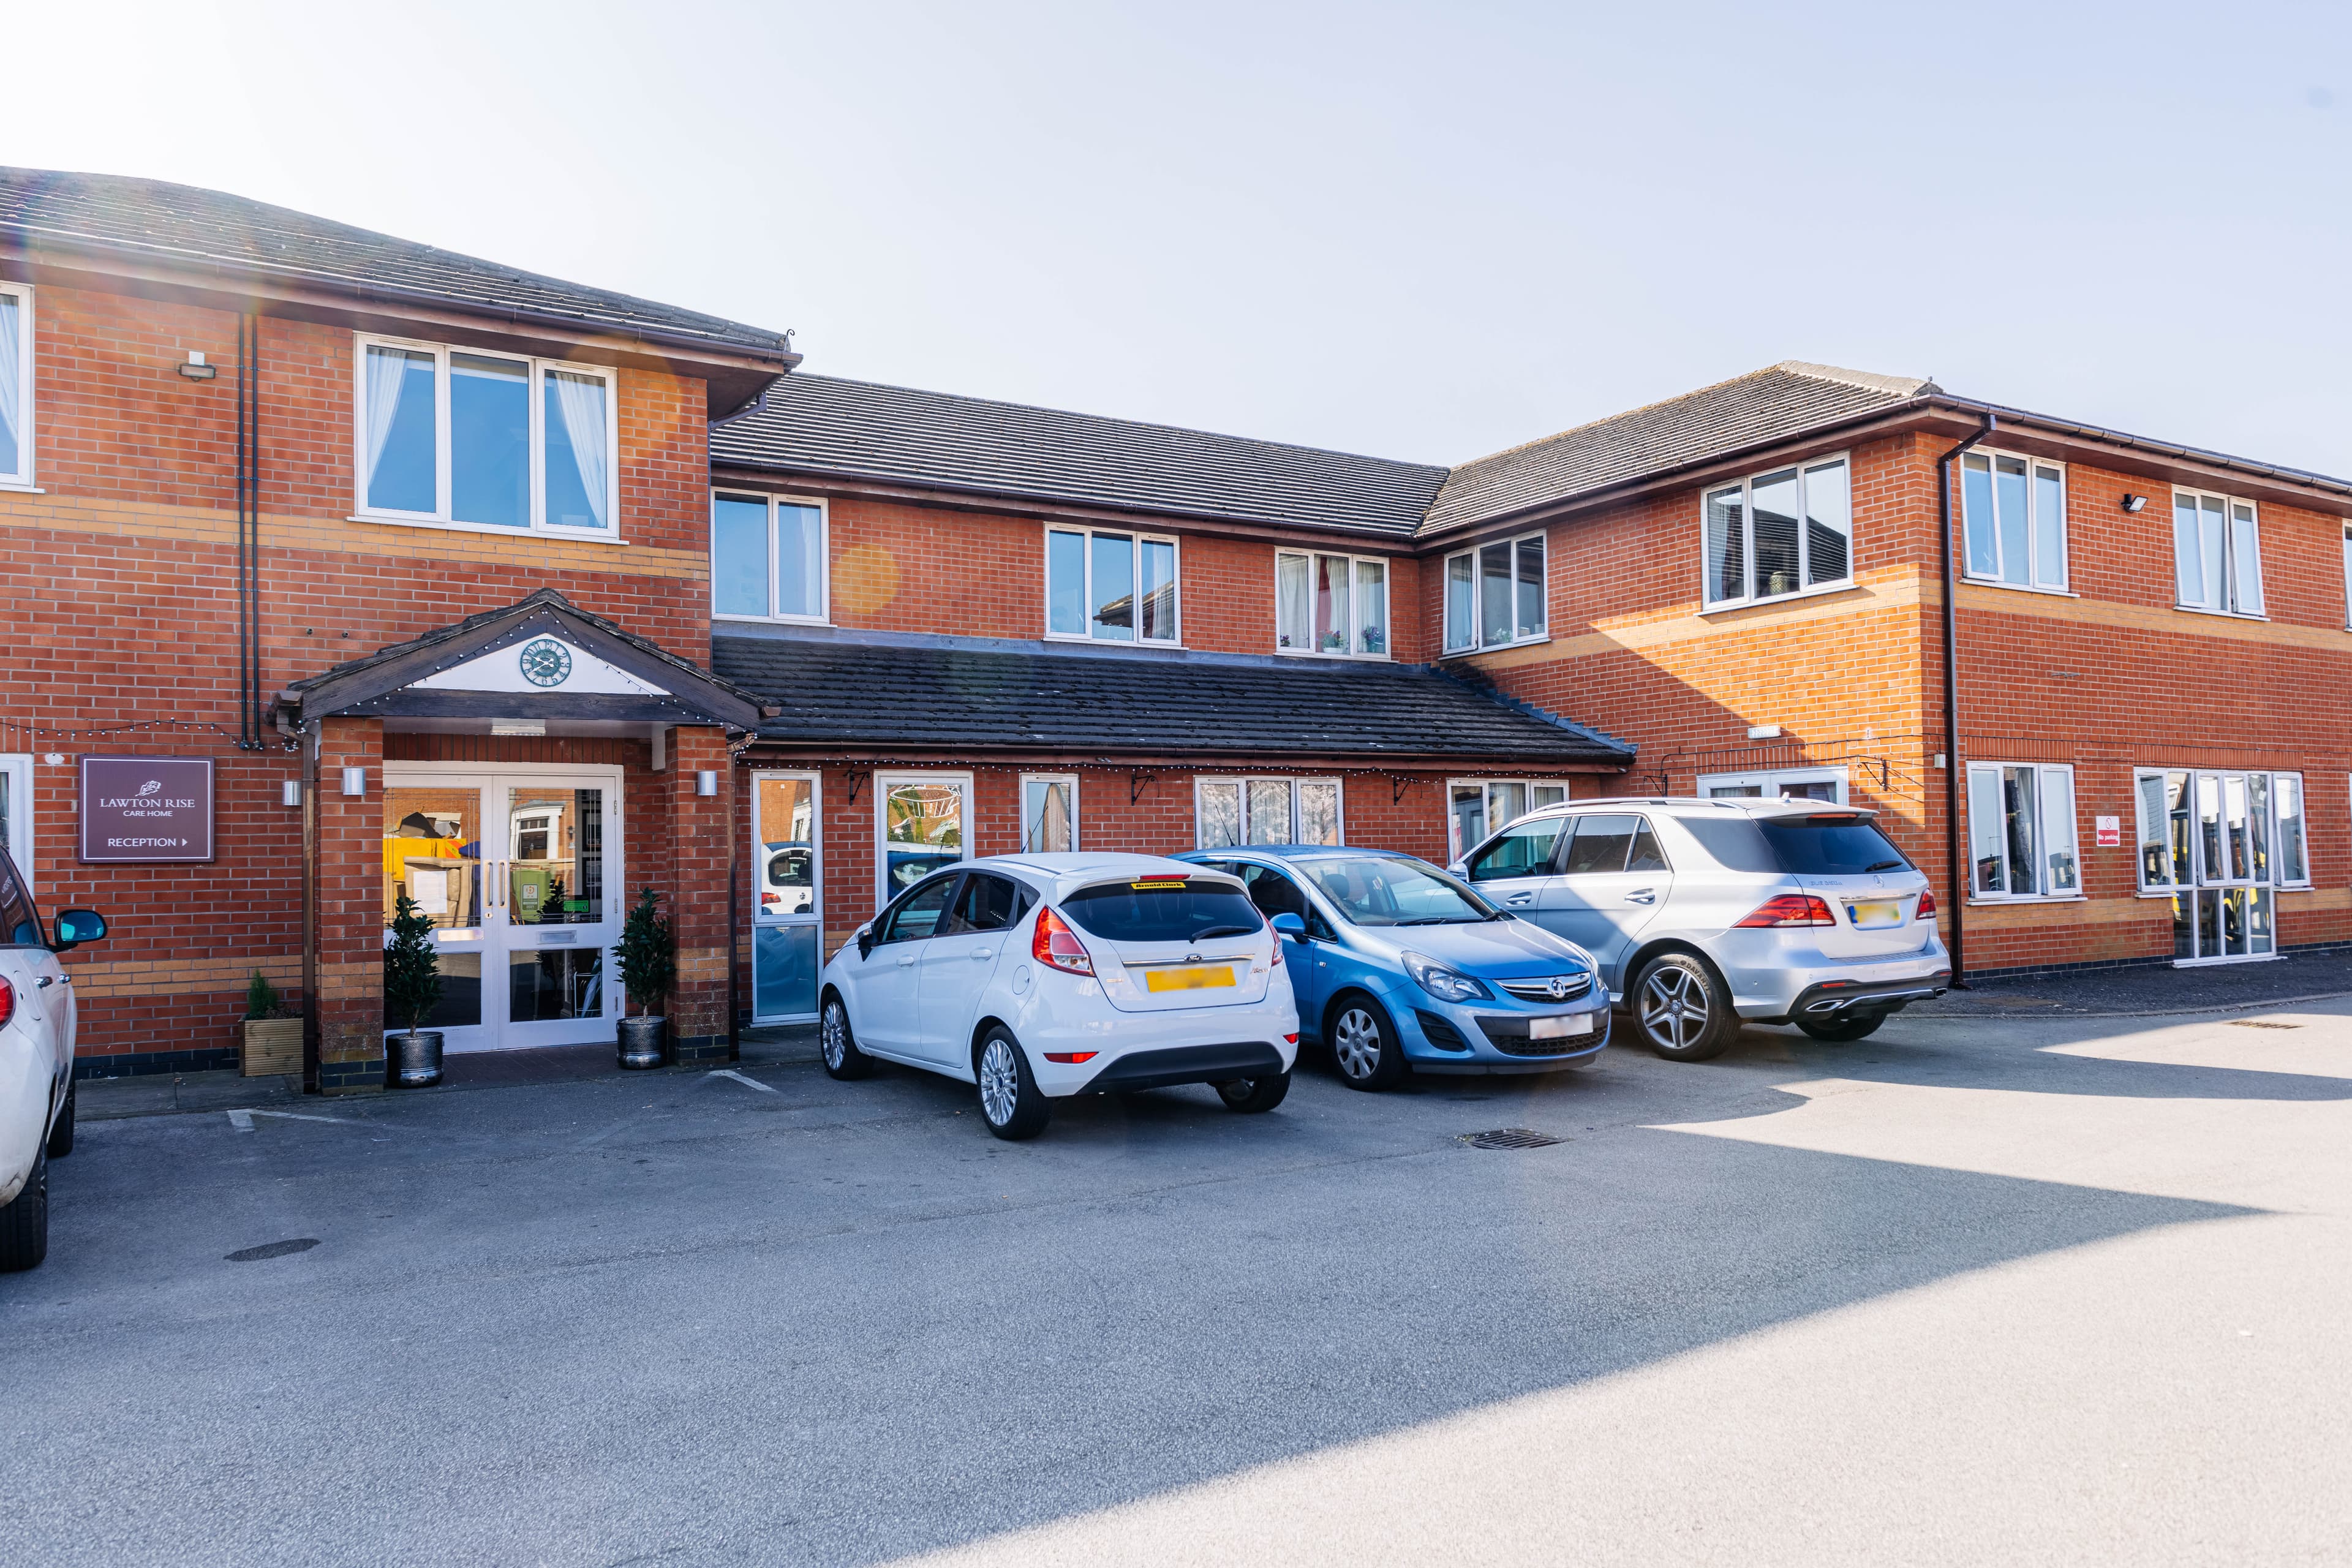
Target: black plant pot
[416, 1058]
[640, 1042]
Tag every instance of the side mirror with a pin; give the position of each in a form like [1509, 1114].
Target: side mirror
[77, 926]
[1290, 926]
[1460, 869]
[866, 939]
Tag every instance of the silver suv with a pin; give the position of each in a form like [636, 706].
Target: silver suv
[1703, 914]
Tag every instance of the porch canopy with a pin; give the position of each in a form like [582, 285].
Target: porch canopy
[542, 662]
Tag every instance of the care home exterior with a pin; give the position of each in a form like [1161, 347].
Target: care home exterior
[517, 596]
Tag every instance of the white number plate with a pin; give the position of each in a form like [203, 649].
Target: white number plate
[1560, 1028]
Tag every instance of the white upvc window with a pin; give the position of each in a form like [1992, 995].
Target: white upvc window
[1774, 534]
[1475, 807]
[16, 811]
[2348, 575]
[1231, 811]
[470, 438]
[1334, 605]
[1049, 814]
[17, 387]
[1785, 783]
[768, 557]
[2022, 842]
[2013, 520]
[1495, 594]
[1110, 586]
[923, 824]
[2217, 553]
[2213, 827]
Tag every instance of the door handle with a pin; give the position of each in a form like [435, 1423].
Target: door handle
[983, 953]
[1643, 895]
[1520, 899]
[907, 962]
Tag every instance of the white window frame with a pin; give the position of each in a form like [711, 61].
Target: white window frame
[1355, 609]
[1087, 532]
[22, 479]
[1339, 796]
[1771, 781]
[2040, 835]
[1478, 643]
[2348, 574]
[2231, 597]
[2169, 885]
[1991, 468]
[813, 917]
[440, 516]
[16, 767]
[823, 617]
[1802, 467]
[881, 784]
[1028, 779]
[1486, 788]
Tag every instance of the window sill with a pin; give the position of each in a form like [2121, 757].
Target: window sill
[774, 620]
[2170, 893]
[2020, 587]
[1981, 903]
[19, 488]
[2224, 614]
[1331, 657]
[1497, 648]
[1819, 591]
[495, 533]
[1068, 639]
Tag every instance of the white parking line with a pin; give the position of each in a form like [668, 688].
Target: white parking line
[243, 1120]
[739, 1078]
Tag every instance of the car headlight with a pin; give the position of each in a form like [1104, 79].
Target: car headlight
[1445, 983]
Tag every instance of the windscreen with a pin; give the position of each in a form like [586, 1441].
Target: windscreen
[1375, 890]
[1831, 846]
[1162, 909]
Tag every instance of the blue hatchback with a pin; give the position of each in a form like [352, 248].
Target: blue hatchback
[1395, 961]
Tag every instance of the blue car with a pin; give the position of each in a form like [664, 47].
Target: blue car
[1395, 964]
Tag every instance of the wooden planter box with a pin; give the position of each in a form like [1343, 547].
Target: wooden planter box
[272, 1046]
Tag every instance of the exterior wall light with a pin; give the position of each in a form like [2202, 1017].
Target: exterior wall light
[290, 792]
[705, 782]
[2134, 503]
[196, 369]
[355, 781]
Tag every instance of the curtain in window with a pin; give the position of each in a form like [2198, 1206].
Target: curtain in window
[1221, 816]
[1727, 545]
[1531, 587]
[387, 378]
[1269, 811]
[1461, 625]
[1292, 618]
[1371, 606]
[1495, 593]
[579, 403]
[1319, 812]
[12, 375]
[1331, 620]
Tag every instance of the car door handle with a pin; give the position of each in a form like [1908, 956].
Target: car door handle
[1643, 895]
[1520, 899]
[906, 961]
[983, 953]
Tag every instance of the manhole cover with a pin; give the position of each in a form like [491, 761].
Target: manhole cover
[1511, 1138]
[273, 1249]
[2262, 1024]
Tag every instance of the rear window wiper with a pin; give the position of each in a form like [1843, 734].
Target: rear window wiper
[1883, 865]
[1208, 931]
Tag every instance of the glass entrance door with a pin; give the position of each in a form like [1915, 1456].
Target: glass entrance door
[521, 876]
[2228, 912]
[787, 919]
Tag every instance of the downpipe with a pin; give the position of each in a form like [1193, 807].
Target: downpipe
[1953, 859]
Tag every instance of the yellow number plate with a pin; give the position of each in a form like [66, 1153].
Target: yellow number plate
[1871, 914]
[1188, 979]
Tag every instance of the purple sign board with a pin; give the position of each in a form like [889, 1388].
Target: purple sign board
[146, 808]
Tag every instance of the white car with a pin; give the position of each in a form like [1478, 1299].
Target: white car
[36, 1051]
[1040, 976]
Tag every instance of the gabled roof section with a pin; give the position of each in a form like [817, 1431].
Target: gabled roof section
[858, 430]
[1777, 403]
[215, 232]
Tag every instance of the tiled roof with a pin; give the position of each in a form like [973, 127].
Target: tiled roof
[210, 229]
[1030, 697]
[1774, 404]
[862, 429]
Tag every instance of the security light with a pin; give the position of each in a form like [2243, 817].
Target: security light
[196, 369]
[2134, 503]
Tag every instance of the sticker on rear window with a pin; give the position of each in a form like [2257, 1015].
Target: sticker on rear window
[1177, 884]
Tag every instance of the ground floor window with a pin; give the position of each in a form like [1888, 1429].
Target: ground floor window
[787, 923]
[1788, 783]
[2220, 843]
[2021, 831]
[1233, 811]
[1049, 813]
[16, 811]
[923, 822]
[1475, 807]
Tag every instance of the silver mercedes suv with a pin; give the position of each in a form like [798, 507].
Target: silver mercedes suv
[1703, 914]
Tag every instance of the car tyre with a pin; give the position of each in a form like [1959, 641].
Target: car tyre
[1251, 1095]
[1364, 1044]
[1838, 1030]
[61, 1135]
[839, 1044]
[1010, 1100]
[1682, 1009]
[24, 1220]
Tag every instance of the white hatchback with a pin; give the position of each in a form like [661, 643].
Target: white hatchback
[1035, 978]
[36, 1055]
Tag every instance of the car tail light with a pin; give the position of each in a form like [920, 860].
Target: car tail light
[1072, 1056]
[1927, 910]
[1792, 909]
[1290, 1039]
[1057, 946]
[7, 1003]
[1277, 944]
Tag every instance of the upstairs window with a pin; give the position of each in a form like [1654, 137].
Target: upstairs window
[485, 440]
[1111, 587]
[2217, 553]
[1495, 595]
[1336, 606]
[2014, 513]
[767, 558]
[16, 385]
[1778, 533]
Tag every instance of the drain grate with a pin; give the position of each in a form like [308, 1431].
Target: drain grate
[1511, 1138]
[273, 1249]
[2261, 1023]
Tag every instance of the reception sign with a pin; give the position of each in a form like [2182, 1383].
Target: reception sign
[138, 809]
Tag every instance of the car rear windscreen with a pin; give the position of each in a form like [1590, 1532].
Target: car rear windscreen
[1818, 846]
[1168, 910]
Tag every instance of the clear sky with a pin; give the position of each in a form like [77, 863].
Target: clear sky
[1423, 231]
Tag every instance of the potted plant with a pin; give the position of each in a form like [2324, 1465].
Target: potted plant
[273, 1031]
[412, 988]
[647, 955]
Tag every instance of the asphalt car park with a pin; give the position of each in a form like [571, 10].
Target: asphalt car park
[1736, 1313]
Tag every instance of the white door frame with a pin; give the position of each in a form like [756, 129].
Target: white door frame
[814, 918]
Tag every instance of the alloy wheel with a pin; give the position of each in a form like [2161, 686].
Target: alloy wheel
[1000, 1083]
[1674, 1008]
[835, 1035]
[1356, 1042]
